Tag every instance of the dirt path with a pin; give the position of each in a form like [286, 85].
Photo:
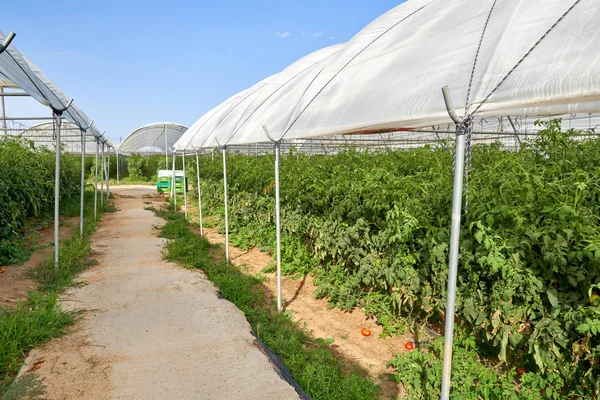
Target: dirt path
[371, 353]
[152, 330]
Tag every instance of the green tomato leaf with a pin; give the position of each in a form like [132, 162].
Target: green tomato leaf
[553, 297]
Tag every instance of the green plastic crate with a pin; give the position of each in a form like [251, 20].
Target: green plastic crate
[163, 182]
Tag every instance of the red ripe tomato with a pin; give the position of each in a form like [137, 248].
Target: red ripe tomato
[365, 332]
[409, 346]
[521, 371]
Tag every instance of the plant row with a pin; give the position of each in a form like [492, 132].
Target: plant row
[27, 189]
[374, 228]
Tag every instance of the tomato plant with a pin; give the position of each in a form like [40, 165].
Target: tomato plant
[363, 222]
[27, 189]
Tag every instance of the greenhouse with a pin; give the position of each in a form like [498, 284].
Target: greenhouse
[18, 72]
[419, 73]
[437, 173]
[155, 138]
[44, 135]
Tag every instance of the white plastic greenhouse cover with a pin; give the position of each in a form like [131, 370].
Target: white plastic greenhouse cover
[241, 109]
[19, 71]
[498, 57]
[219, 121]
[158, 137]
[42, 136]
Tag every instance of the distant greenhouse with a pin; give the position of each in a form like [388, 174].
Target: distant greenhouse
[43, 135]
[155, 138]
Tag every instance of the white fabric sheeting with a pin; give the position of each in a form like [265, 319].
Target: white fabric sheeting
[70, 138]
[20, 71]
[228, 122]
[150, 139]
[390, 75]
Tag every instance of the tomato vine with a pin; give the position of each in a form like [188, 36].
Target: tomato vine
[373, 227]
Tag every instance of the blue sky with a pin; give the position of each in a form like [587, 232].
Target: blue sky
[131, 62]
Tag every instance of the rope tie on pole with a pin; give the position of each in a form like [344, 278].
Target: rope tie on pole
[536, 44]
[53, 126]
[466, 128]
[487, 21]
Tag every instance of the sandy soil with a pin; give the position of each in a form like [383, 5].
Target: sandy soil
[151, 330]
[371, 353]
[14, 282]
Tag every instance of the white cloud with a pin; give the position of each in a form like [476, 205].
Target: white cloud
[312, 34]
[283, 35]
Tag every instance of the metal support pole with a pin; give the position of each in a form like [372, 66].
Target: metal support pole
[184, 187]
[102, 179]
[278, 227]
[3, 47]
[57, 193]
[174, 184]
[225, 202]
[14, 94]
[172, 176]
[3, 111]
[96, 184]
[453, 263]
[83, 133]
[117, 166]
[514, 129]
[27, 118]
[199, 193]
[166, 150]
[108, 175]
[454, 248]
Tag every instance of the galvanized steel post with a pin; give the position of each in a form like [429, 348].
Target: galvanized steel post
[3, 111]
[199, 193]
[107, 174]
[276, 149]
[278, 227]
[83, 133]
[102, 178]
[184, 187]
[454, 247]
[225, 201]
[96, 182]
[57, 191]
[173, 185]
[166, 150]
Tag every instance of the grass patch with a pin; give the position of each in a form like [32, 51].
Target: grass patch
[132, 181]
[73, 251]
[73, 259]
[18, 248]
[29, 387]
[31, 323]
[40, 318]
[313, 365]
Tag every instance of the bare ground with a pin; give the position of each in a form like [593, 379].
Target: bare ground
[371, 353]
[151, 330]
[14, 281]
